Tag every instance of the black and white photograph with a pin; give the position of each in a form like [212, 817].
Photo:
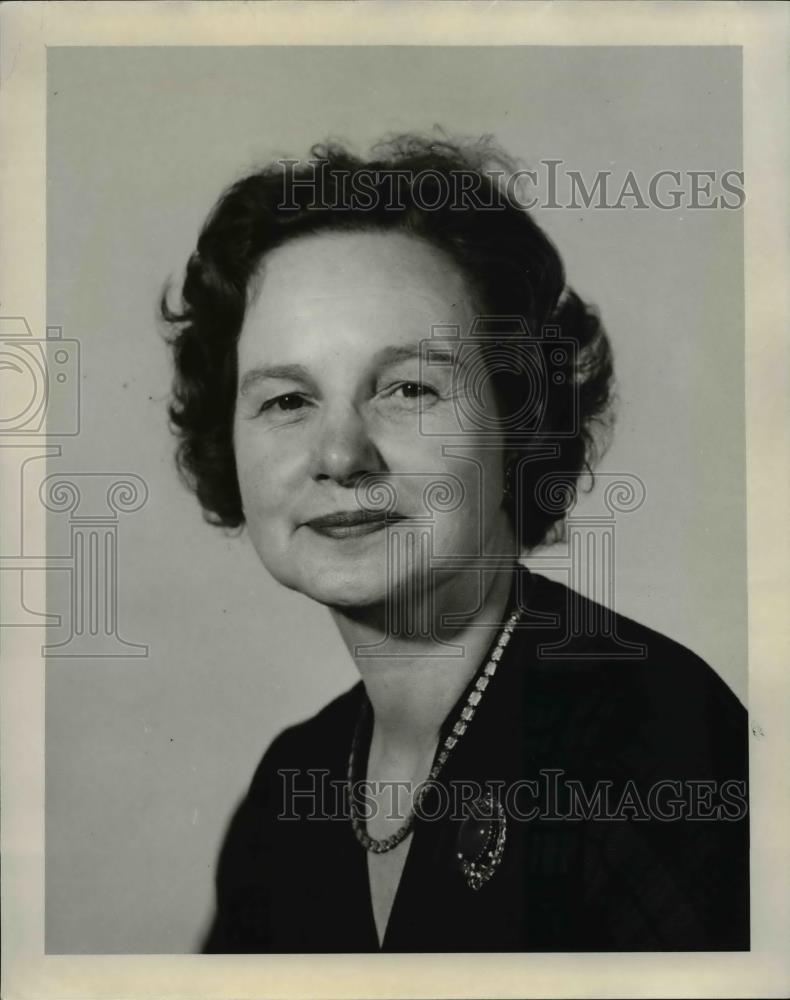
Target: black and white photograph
[381, 505]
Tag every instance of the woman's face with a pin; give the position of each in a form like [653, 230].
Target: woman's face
[336, 398]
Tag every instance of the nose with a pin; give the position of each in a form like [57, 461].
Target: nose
[344, 449]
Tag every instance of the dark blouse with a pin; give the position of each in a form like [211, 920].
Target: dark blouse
[633, 835]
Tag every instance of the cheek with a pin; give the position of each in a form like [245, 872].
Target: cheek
[260, 482]
[481, 473]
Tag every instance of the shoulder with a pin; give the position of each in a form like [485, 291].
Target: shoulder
[307, 747]
[636, 683]
[582, 634]
[314, 743]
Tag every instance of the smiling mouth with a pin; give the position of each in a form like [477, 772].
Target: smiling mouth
[352, 523]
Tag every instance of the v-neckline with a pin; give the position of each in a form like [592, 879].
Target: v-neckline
[408, 863]
[412, 857]
[362, 853]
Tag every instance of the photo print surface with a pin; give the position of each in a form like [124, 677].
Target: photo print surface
[397, 508]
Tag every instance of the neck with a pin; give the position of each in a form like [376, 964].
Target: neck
[410, 687]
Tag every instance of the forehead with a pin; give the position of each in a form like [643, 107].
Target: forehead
[375, 285]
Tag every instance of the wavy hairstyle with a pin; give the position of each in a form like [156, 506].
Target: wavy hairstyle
[410, 184]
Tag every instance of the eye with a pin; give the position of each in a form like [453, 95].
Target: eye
[409, 396]
[286, 403]
[413, 392]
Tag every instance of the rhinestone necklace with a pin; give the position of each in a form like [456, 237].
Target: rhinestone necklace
[442, 753]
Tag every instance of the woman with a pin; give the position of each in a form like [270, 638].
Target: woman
[379, 369]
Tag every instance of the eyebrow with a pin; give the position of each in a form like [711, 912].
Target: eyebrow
[392, 355]
[295, 373]
[298, 373]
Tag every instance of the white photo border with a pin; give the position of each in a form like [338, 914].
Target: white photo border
[761, 29]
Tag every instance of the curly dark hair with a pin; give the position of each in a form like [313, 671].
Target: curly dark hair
[513, 268]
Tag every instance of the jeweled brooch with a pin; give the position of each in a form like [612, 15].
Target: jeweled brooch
[481, 840]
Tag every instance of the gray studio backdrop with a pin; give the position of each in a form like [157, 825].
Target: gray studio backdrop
[155, 725]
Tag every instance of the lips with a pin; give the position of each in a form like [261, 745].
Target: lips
[352, 523]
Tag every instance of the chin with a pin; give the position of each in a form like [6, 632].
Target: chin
[351, 574]
[338, 589]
